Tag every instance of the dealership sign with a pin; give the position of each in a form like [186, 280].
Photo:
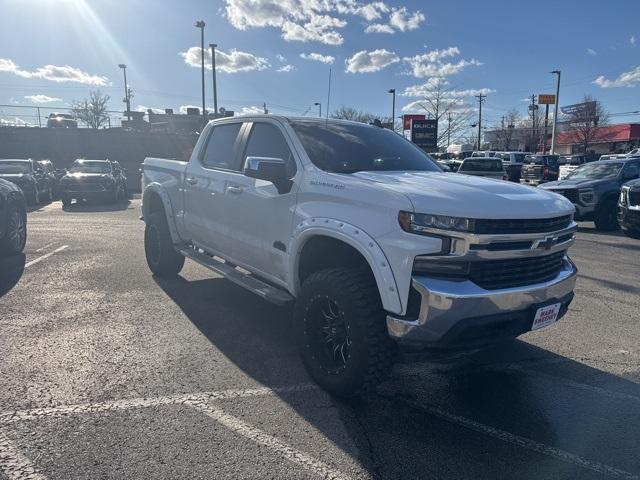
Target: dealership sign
[424, 133]
[546, 99]
[407, 119]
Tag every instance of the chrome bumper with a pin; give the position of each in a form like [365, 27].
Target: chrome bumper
[447, 307]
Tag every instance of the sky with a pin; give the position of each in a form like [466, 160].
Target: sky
[279, 52]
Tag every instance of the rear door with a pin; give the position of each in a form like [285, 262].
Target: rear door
[207, 178]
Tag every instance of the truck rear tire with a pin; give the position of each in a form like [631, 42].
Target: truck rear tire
[341, 331]
[162, 258]
[606, 217]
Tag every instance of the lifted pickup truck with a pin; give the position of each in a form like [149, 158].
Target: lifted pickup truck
[378, 249]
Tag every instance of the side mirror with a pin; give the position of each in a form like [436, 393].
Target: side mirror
[273, 170]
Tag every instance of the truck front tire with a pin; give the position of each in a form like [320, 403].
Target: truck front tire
[162, 258]
[341, 331]
[606, 217]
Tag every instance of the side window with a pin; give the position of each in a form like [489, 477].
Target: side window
[266, 140]
[219, 149]
[632, 170]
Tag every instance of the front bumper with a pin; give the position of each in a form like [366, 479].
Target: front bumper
[629, 217]
[460, 315]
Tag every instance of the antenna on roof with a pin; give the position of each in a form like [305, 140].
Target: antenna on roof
[328, 96]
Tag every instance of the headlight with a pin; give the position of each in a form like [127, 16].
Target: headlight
[587, 196]
[422, 222]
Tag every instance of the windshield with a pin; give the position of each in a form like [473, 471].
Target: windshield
[90, 167]
[570, 161]
[14, 166]
[348, 148]
[481, 166]
[594, 171]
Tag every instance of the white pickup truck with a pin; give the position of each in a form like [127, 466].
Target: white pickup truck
[379, 250]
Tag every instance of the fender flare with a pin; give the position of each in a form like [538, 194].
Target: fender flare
[156, 188]
[356, 238]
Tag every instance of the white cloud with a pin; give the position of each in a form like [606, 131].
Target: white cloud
[299, 20]
[371, 11]
[252, 110]
[402, 20]
[453, 104]
[432, 64]
[286, 68]
[626, 79]
[14, 122]
[373, 61]
[632, 40]
[142, 108]
[40, 98]
[233, 62]
[379, 28]
[54, 73]
[320, 28]
[427, 89]
[591, 51]
[281, 58]
[316, 57]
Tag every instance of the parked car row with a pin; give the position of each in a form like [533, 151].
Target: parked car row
[41, 182]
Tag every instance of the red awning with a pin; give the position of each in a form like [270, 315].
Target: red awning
[623, 132]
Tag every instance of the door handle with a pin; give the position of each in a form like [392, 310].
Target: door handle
[234, 189]
[192, 180]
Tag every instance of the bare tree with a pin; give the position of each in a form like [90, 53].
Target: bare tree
[353, 114]
[93, 110]
[504, 132]
[584, 125]
[442, 104]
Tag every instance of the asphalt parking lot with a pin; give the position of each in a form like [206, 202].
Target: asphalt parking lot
[106, 372]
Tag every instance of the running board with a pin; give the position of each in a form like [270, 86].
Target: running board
[248, 281]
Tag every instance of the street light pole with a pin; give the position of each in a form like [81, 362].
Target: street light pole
[200, 24]
[555, 114]
[127, 99]
[393, 109]
[215, 87]
[319, 105]
[481, 99]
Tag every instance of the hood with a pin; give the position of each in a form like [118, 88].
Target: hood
[568, 183]
[460, 195]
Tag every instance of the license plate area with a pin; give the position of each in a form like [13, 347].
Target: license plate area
[545, 316]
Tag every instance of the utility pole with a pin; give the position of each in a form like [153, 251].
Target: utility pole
[449, 129]
[555, 114]
[127, 96]
[392, 91]
[200, 24]
[532, 107]
[264, 107]
[39, 120]
[319, 105]
[546, 124]
[481, 98]
[213, 68]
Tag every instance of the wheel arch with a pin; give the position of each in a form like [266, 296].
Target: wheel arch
[156, 199]
[316, 237]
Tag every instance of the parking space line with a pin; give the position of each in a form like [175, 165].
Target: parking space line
[14, 464]
[98, 407]
[45, 256]
[260, 437]
[525, 443]
[44, 248]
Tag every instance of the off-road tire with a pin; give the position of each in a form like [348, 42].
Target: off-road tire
[162, 258]
[15, 237]
[371, 352]
[66, 201]
[606, 216]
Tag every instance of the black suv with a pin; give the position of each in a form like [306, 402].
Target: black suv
[594, 189]
[93, 180]
[30, 177]
[61, 120]
[537, 169]
[13, 219]
[629, 209]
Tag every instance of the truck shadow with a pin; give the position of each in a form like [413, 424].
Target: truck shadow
[11, 270]
[517, 388]
[93, 207]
